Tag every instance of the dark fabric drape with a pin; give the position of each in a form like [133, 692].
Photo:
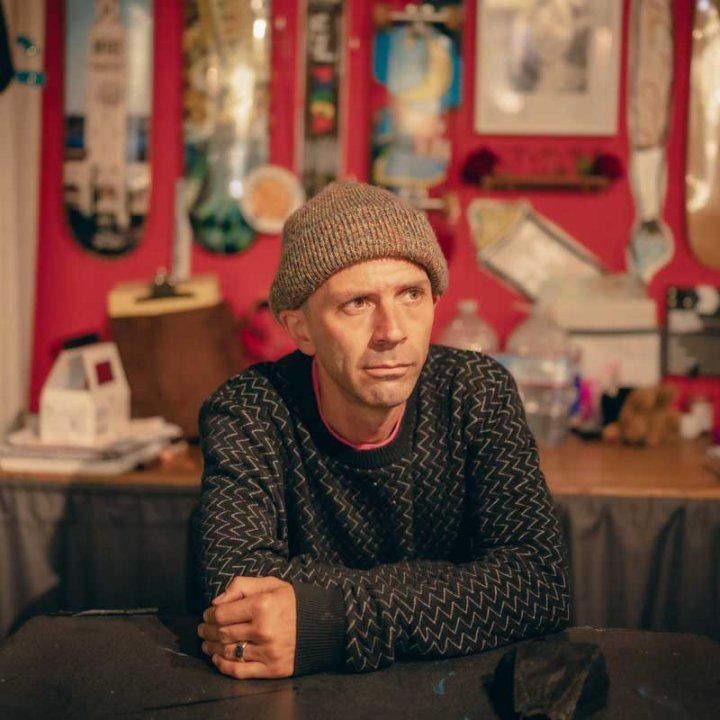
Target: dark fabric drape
[648, 563]
[91, 547]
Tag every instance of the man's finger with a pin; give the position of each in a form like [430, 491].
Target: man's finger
[232, 592]
[234, 633]
[242, 586]
[226, 651]
[209, 631]
[214, 648]
[241, 670]
[239, 611]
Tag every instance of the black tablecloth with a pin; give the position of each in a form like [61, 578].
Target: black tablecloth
[637, 562]
[145, 666]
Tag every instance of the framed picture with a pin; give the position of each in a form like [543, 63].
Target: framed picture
[691, 342]
[547, 67]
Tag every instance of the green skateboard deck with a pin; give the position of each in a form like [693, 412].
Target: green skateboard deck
[226, 45]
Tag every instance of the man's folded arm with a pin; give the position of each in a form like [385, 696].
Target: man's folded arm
[513, 583]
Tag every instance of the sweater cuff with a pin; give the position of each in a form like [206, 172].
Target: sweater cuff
[320, 639]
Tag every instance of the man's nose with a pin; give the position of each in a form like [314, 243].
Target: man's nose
[389, 327]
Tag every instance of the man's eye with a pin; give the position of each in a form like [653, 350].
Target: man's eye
[414, 293]
[356, 303]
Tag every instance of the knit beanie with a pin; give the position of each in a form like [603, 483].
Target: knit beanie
[347, 223]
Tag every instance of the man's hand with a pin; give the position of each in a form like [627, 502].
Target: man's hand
[261, 611]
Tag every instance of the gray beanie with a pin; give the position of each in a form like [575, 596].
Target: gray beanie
[344, 224]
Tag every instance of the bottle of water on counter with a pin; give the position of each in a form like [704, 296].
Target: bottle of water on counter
[544, 365]
[468, 331]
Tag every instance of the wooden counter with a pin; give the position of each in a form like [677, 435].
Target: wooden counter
[596, 468]
[183, 470]
[575, 467]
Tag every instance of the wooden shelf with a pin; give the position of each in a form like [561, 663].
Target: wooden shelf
[582, 183]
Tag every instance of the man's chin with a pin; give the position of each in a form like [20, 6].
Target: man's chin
[389, 393]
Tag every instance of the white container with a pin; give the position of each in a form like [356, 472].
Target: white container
[468, 331]
[544, 367]
[86, 398]
[612, 321]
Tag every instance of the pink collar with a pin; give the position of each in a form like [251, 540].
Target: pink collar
[361, 446]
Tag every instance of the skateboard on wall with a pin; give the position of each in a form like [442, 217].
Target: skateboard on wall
[650, 82]
[702, 200]
[321, 146]
[416, 56]
[226, 49]
[107, 108]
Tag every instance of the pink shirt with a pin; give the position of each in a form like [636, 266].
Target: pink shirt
[361, 446]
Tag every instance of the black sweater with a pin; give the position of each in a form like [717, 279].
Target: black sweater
[442, 542]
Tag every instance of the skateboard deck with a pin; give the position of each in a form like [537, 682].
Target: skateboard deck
[320, 148]
[226, 46]
[416, 56]
[108, 105]
[702, 180]
[650, 75]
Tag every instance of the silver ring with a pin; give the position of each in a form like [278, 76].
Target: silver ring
[240, 649]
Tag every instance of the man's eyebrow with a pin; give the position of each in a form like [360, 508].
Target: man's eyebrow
[418, 282]
[341, 295]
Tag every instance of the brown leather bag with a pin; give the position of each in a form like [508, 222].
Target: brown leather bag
[175, 360]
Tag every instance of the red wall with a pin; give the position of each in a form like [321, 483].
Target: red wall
[73, 284]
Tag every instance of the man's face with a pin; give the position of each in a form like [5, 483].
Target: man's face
[369, 327]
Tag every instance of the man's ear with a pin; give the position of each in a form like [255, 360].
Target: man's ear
[297, 327]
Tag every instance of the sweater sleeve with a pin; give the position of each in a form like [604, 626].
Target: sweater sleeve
[514, 583]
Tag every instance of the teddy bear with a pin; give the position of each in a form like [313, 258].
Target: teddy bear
[647, 417]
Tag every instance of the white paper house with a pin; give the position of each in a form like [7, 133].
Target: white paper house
[86, 398]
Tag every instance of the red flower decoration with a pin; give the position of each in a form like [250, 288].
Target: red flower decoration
[607, 165]
[480, 163]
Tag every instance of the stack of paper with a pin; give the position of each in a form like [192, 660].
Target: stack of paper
[142, 442]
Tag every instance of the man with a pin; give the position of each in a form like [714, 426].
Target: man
[370, 496]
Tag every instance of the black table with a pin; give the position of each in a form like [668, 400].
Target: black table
[144, 666]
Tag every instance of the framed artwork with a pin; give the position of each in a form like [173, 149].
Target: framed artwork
[547, 67]
[691, 342]
[523, 248]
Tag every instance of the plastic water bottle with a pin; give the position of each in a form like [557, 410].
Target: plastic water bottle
[545, 369]
[468, 331]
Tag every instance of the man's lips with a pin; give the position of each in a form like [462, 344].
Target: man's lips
[387, 367]
[387, 372]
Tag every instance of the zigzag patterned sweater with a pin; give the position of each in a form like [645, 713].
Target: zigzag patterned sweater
[442, 542]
